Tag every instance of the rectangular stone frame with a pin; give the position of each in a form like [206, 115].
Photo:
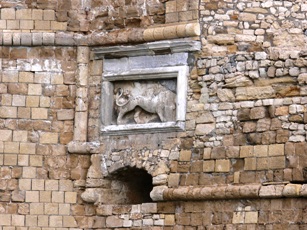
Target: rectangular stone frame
[178, 72]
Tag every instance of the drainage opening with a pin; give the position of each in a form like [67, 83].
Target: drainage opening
[136, 185]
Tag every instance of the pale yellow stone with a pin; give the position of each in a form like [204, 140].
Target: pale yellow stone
[36, 161]
[2, 24]
[57, 79]
[23, 113]
[8, 112]
[6, 135]
[37, 14]
[45, 196]
[277, 150]
[44, 102]
[29, 172]
[9, 76]
[169, 220]
[25, 14]
[246, 151]
[32, 197]
[222, 166]
[277, 162]
[32, 101]
[185, 155]
[8, 13]
[70, 197]
[49, 15]
[261, 150]
[62, 26]
[5, 219]
[238, 217]
[10, 159]
[11, 147]
[43, 221]
[57, 197]
[31, 220]
[251, 217]
[39, 113]
[6, 99]
[208, 166]
[48, 138]
[27, 148]
[64, 209]
[25, 184]
[18, 220]
[23, 160]
[38, 184]
[26, 77]
[52, 185]
[20, 136]
[42, 25]
[35, 89]
[69, 222]
[26, 24]
[19, 100]
[12, 24]
[56, 221]
[262, 163]
[36, 208]
[250, 163]
[51, 209]
[66, 185]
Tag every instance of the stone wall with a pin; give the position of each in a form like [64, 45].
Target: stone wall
[239, 164]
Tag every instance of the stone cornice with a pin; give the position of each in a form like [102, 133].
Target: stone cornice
[149, 48]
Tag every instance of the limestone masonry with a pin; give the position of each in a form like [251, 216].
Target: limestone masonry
[153, 114]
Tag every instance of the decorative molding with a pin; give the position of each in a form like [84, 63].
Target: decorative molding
[150, 48]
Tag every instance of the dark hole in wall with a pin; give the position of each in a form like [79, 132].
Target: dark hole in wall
[137, 183]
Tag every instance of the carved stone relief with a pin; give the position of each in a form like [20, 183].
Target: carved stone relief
[141, 102]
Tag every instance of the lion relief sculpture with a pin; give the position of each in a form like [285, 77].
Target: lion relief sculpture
[161, 103]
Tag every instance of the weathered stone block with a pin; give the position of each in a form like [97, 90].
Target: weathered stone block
[185, 155]
[209, 166]
[8, 13]
[277, 150]
[222, 166]
[39, 114]
[250, 163]
[48, 138]
[246, 151]
[258, 113]
[204, 129]
[254, 93]
[114, 221]
[277, 162]
[262, 163]
[69, 222]
[251, 217]
[65, 114]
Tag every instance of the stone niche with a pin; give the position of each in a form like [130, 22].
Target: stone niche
[144, 87]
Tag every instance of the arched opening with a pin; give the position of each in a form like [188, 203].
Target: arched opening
[136, 184]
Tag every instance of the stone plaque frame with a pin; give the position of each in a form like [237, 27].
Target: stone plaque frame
[180, 73]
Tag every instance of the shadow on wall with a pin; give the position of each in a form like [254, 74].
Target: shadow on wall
[133, 184]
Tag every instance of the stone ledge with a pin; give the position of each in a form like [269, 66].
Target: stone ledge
[122, 36]
[253, 191]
